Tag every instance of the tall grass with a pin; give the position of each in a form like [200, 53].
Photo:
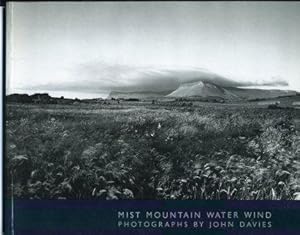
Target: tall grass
[140, 153]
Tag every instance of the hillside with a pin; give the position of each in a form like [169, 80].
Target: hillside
[206, 89]
[202, 89]
[250, 94]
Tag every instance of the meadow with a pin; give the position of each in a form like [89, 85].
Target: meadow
[152, 151]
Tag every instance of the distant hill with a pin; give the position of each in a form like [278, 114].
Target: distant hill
[252, 94]
[137, 95]
[38, 98]
[202, 89]
[206, 89]
[25, 98]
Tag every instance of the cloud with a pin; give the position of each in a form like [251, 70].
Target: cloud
[99, 76]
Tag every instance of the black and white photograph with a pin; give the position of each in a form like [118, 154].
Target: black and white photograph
[152, 100]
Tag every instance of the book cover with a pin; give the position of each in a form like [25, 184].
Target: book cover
[152, 118]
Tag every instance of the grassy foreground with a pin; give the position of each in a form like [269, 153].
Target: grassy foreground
[136, 152]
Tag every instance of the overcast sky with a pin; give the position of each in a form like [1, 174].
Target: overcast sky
[92, 48]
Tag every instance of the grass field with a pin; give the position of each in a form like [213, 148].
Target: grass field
[144, 151]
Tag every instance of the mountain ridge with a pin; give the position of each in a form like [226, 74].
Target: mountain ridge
[206, 89]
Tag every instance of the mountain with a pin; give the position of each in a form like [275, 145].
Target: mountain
[202, 89]
[207, 89]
